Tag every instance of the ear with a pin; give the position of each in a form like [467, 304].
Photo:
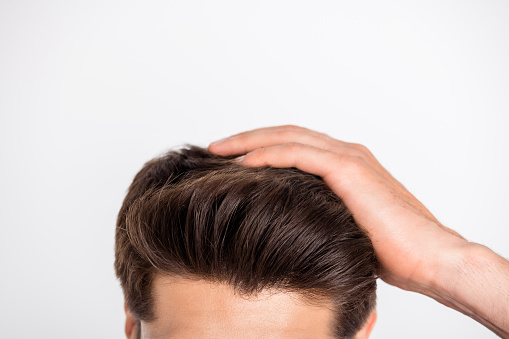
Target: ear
[130, 324]
[368, 326]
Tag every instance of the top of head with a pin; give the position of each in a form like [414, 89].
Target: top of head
[193, 214]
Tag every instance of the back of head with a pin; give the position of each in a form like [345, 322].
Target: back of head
[190, 213]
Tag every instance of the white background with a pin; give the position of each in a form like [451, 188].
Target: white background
[91, 90]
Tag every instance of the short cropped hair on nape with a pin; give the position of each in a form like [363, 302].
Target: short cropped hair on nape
[193, 214]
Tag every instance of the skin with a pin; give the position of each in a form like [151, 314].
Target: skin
[416, 252]
[187, 308]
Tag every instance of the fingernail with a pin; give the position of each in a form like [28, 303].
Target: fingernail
[240, 159]
[218, 141]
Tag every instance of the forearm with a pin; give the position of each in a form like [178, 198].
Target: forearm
[474, 280]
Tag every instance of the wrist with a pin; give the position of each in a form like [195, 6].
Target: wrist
[449, 264]
[443, 257]
[474, 280]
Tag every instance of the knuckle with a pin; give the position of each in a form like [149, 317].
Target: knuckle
[363, 149]
[294, 146]
[292, 127]
[360, 147]
[354, 163]
[287, 133]
[324, 135]
[358, 154]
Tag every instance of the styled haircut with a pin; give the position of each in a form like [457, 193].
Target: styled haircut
[193, 214]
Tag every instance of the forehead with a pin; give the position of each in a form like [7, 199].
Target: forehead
[196, 308]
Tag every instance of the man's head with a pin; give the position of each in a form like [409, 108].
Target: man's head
[207, 247]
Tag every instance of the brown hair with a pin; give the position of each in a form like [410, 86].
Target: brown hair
[194, 214]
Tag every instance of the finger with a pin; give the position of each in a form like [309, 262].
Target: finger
[245, 142]
[215, 146]
[248, 142]
[296, 129]
[306, 158]
[272, 136]
[277, 128]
